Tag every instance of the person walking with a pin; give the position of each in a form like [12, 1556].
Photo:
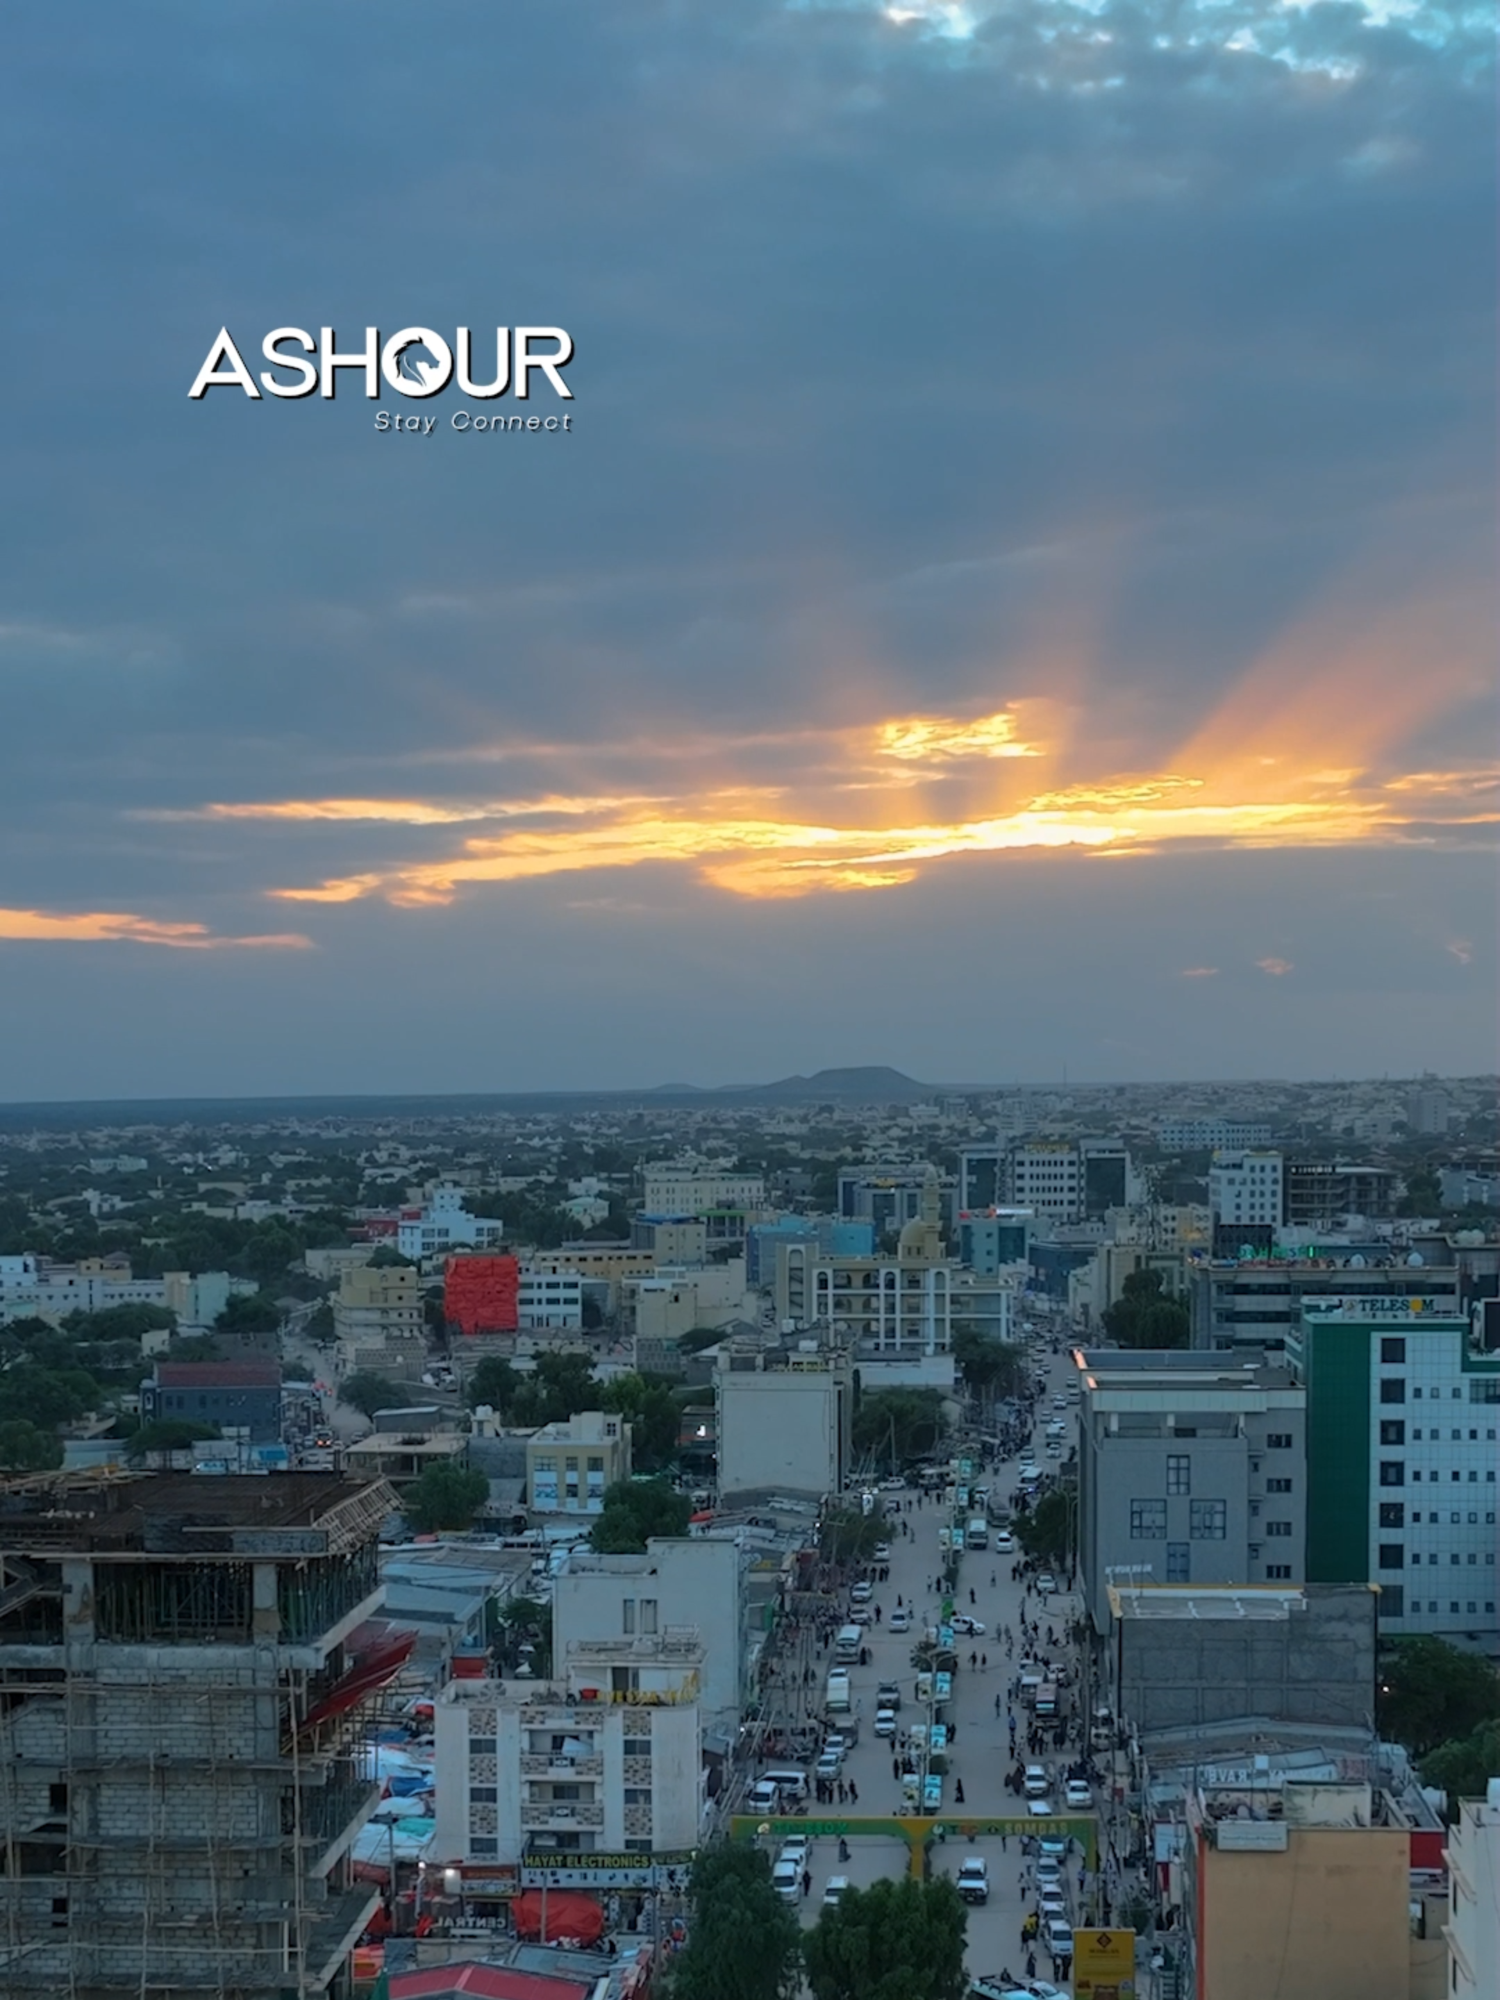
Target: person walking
[853, 1793]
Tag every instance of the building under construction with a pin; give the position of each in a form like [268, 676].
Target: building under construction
[186, 1664]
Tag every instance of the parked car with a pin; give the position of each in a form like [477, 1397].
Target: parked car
[834, 1888]
[1036, 1781]
[1079, 1796]
[796, 1847]
[828, 1766]
[1040, 1808]
[1058, 1938]
[861, 1593]
[882, 1552]
[764, 1797]
[932, 1794]
[1005, 1541]
[1048, 1868]
[786, 1880]
[1046, 1583]
[974, 1880]
[899, 1621]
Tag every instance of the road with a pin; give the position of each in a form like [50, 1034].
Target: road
[979, 1757]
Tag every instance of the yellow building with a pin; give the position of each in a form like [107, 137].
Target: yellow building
[570, 1466]
[377, 1319]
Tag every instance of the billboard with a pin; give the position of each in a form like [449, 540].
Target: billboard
[1103, 1965]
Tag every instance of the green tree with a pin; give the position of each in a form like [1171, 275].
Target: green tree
[1430, 1693]
[126, 1323]
[166, 1434]
[388, 1258]
[319, 1325]
[447, 1495]
[521, 1629]
[1046, 1531]
[196, 1347]
[249, 1313]
[988, 1366]
[367, 1392]
[1143, 1316]
[1424, 1195]
[556, 1388]
[46, 1397]
[653, 1413]
[848, 1535]
[25, 1448]
[636, 1509]
[896, 1940]
[893, 1427]
[1462, 1768]
[743, 1941]
[494, 1382]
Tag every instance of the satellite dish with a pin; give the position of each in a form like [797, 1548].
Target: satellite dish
[1356, 1262]
[1416, 1258]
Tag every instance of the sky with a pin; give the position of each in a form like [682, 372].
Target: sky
[1014, 595]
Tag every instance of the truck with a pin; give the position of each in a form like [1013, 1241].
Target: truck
[977, 1534]
[847, 1643]
[974, 1880]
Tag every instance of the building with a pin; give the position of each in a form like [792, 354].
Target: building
[188, 1665]
[1245, 1186]
[1207, 1135]
[549, 1299]
[981, 1176]
[1190, 1472]
[378, 1321]
[1255, 1303]
[1094, 1287]
[1473, 1931]
[34, 1286]
[671, 1303]
[1402, 1408]
[1064, 1180]
[990, 1240]
[442, 1224]
[764, 1242]
[668, 1239]
[1321, 1193]
[482, 1294]
[888, 1197]
[603, 1758]
[405, 1442]
[1184, 1663]
[1428, 1111]
[682, 1188]
[784, 1419]
[692, 1580]
[240, 1396]
[1312, 1880]
[893, 1309]
[571, 1465]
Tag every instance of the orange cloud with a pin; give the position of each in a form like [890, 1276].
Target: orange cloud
[120, 927]
[1276, 968]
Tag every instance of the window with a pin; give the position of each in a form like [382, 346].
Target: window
[1279, 1572]
[1392, 1601]
[483, 1846]
[1207, 1519]
[638, 1795]
[1393, 1431]
[564, 1794]
[1178, 1563]
[1278, 1441]
[1179, 1473]
[1393, 1389]
[1392, 1472]
[1282, 1528]
[648, 1614]
[1392, 1555]
[1148, 1520]
[1392, 1514]
[481, 1746]
[1392, 1349]
[1485, 1389]
[637, 1746]
[1278, 1485]
[627, 1616]
[1416, 1396]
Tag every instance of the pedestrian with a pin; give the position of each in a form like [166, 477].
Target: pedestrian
[896, 1769]
[958, 1791]
[807, 1881]
[853, 1793]
[973, 1600]
[984, 1663]
[997, 1707]
[1031, 1965]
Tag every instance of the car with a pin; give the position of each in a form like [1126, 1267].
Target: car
[1046, 1583]
[1048, 1871]
[932, 1794]
[764, 1797]
[1040, 1808]
[1036, 1781]
[786, 1880]
[899, 1621]
[1054, 1848]
[888, 1695]
[882, 1552]
[974, 1880]
[1078, 1795]
[796, 1847]
[893, 1485]
[862, 1593]
[829, 1764]
[972, 1628]
[1058, 1938]
[860, 1614]
[885, 1722]
[835, 1887]
[1054, 1450]
[1059, 1402]
[1005, 1541]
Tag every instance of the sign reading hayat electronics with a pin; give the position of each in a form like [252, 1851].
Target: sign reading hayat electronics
[392, 362]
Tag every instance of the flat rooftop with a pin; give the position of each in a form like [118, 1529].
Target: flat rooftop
[176, 1513]
[1232, 1601]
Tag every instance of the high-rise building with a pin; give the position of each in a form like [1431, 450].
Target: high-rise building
[1245, 1187]
[1254, 1303]
[378, 1320]
[186, 1665]
[1207, 1135]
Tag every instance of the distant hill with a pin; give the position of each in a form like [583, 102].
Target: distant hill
[875, 1083]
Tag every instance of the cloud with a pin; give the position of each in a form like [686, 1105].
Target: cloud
[1199, 972]
[1275, 968]
[121, 927]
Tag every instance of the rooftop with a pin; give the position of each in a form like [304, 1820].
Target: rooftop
[172, 1513]
[1229, 1601]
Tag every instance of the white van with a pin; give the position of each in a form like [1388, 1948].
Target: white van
[977, 1534]
[836, 1699]
[847, 1643]
[791, 1785]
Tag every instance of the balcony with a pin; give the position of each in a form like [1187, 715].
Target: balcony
[564, 1768]
[553, 1816]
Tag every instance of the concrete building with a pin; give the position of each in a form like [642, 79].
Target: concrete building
[692, 1580]
[1256, 1303]
[378, 1321]
[672, 1302]
[1320, 1193]
[1473, 1930]
[981, 1176]
[784, 1420]
[682, 1188]
[605, 1758]
[888, 1197]
[33, 1286]
[1402, 1409]
[1309, 1881]
[1206, 1135]
[1245, 1186]
[1183, 1664]
[571, 1465]
[764, 1242]
[892, 1308]
[233, 1395]
[187, 1666]
[442, 1224]
[1065, 1180]
[594, 1263]
[991, 1240]
[549, 1298]
[1190, 1472]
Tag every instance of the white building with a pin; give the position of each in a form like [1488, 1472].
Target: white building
[549, 1299]
[784, 1421]
[1068, 1181]
[605, 1758]
[1246, 1187]
[1473, 1927]
[1208, 1135]
[682, 1188]
[691, 1580]
[442, 1224]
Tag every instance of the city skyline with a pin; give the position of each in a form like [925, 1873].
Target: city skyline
[1015, 597]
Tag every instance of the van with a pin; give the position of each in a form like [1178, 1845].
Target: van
[1045, 1704]
[790, 1785]
[847, 1644]
[977, 1534]
[836, 1699]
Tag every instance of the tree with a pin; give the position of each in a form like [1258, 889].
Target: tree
[46, 1397]
[1143, 1316]
[166, 1434]
[1464, 1767]
[318, 1326]
[367, 1392]
[196, 1347]
[447, 1495]
[848, 1535]
[25, 1448]
[494, 1382]
[896, 1940]
[1046, 1531]
[895, 1426]
[521, 1629]
[388, 1258]
[249, 1313]
[988, 1366]
[120, 1323]
[743, 1942]
[1429, 1693]
[653, 1413]
[556, 1388]
[636, 1509]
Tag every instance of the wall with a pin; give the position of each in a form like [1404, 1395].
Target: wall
[695, 1581]
[778, 1430]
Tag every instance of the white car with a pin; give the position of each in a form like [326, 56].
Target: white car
[786, 1880]
[972, 1628]
[796, 1847]
[899, 1621]
[1046, 1583]
[1078, 1795]
[835, 1888]
[1005, 1541]
[828, 1765]
[974, 1880]
[882, 1552]
[1040, 1808]
[1036, 1781]
[885, 1722]
[1058, 1937]
[861, 1593]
